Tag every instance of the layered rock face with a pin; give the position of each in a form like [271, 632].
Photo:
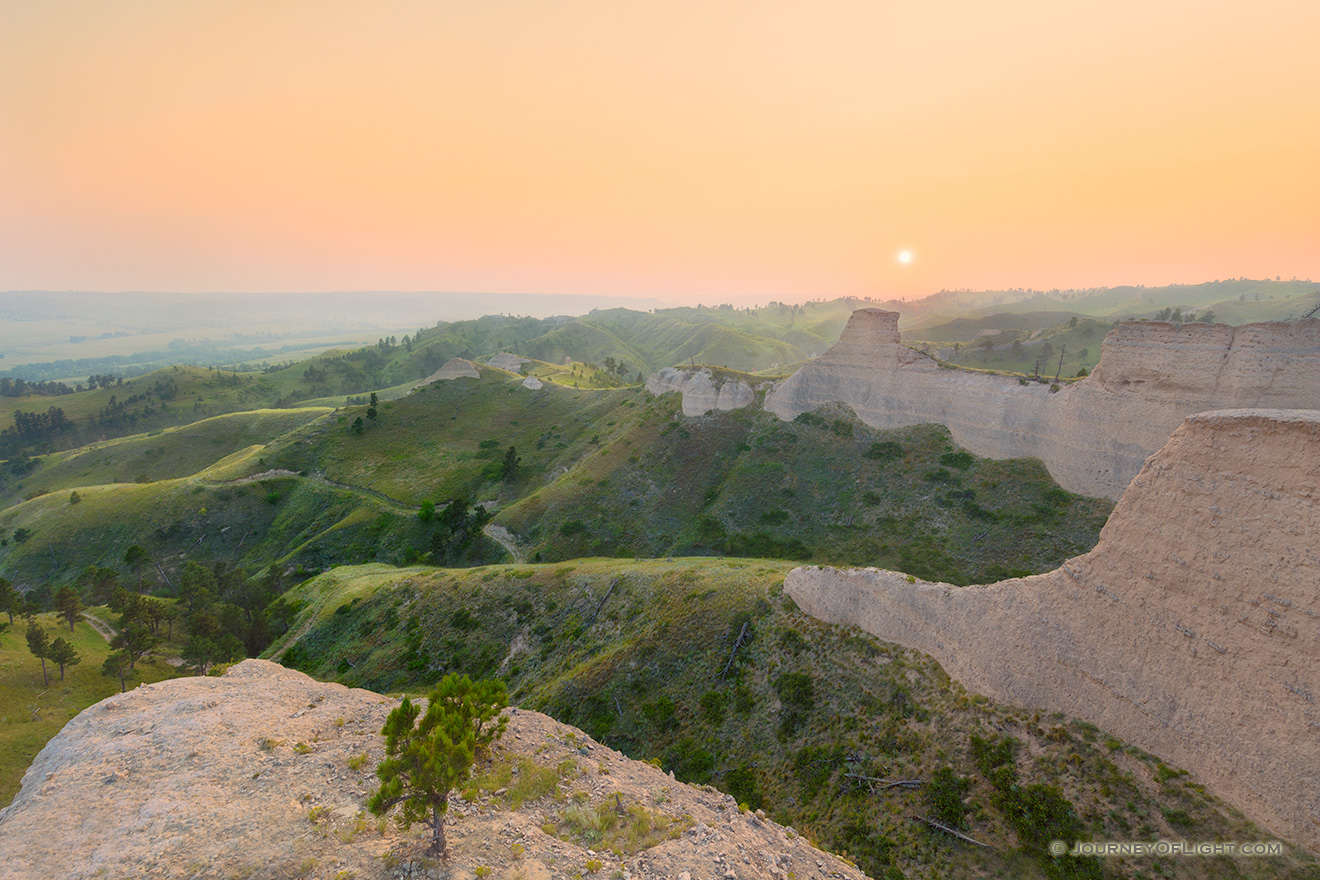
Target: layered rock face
[265, 773]
[1093, 435]
[505, 361]
[1191, 630]
[454, 368]
[701, 391]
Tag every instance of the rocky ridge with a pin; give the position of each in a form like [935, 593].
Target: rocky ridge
[454, 368]
[702, 391]
[259, 774]
[505, 361]
[1191, 630]
[1093, 435]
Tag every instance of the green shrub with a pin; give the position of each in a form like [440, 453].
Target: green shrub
[884, 450]
[713, 704]
[960, 460]
[945, 795]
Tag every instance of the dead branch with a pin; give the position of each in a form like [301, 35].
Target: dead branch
[614, 583]
[877, 784]
[947, 830]
[737, 643]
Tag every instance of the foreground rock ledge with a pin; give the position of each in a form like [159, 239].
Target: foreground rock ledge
[248, 775]
[1192, 629]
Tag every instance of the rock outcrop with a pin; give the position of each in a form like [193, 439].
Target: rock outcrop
[1093, 435]
[260, 774]
[454, 368]
[702, 391]
[505, 361]
[532, 383]
[1191, 630]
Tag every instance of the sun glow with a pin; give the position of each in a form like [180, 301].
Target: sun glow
[905, 257]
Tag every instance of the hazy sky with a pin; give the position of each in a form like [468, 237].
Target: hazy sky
[717, 150]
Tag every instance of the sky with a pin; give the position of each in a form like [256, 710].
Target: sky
[690, 150]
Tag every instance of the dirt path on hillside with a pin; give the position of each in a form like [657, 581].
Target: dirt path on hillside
[506, 539]
[106, 630]
[277, 473]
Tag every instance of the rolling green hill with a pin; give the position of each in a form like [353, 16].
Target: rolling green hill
[165, 454]
[619, 473]
[606, 472]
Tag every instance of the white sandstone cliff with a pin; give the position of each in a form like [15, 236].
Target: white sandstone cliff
[702, 391]
[1093, 435]
[1191, 630]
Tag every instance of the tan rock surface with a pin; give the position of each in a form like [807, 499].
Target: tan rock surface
[247, 775]
[506, 361]
[701, 390]
[1191, 630]
[1093, 435]
[454, 368]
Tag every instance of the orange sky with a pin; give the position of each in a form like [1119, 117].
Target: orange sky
[721, 150]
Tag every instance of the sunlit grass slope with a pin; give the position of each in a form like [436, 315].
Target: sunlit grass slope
[166, 454]
[296, 520]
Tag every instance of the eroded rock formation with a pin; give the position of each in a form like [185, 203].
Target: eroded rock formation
[1191, 630]
[454, 368]
[505, 361]
[702, 391]
[265, 773]
[1093, 435]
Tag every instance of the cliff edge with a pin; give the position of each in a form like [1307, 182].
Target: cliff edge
[1093, 435]
[1191, 630]
[265, 773]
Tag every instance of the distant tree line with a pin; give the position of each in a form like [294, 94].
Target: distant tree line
[22, 388]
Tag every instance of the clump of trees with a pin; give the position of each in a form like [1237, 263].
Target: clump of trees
[425, 759]
[456, 531]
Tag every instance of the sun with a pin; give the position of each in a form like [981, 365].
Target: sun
[905, 257]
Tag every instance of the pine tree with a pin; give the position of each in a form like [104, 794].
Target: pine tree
[10, 599]
[69, 605]
[136, 556]
[425, 761]
[39, 645]
[116, 665]
[62, 652]
[509, 470]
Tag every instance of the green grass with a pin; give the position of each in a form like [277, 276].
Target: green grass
[169, 453]
[621, 827]
[32, 712]
[300, 521]
[602, 473]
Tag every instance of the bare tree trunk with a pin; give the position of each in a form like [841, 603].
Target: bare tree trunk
[438, 830]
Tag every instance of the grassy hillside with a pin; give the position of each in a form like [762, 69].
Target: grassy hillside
[1237, 301]
[638, 654]
[620, 473]
[32, 712]
[165, 454]
[301, 522]
[1014, 343]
